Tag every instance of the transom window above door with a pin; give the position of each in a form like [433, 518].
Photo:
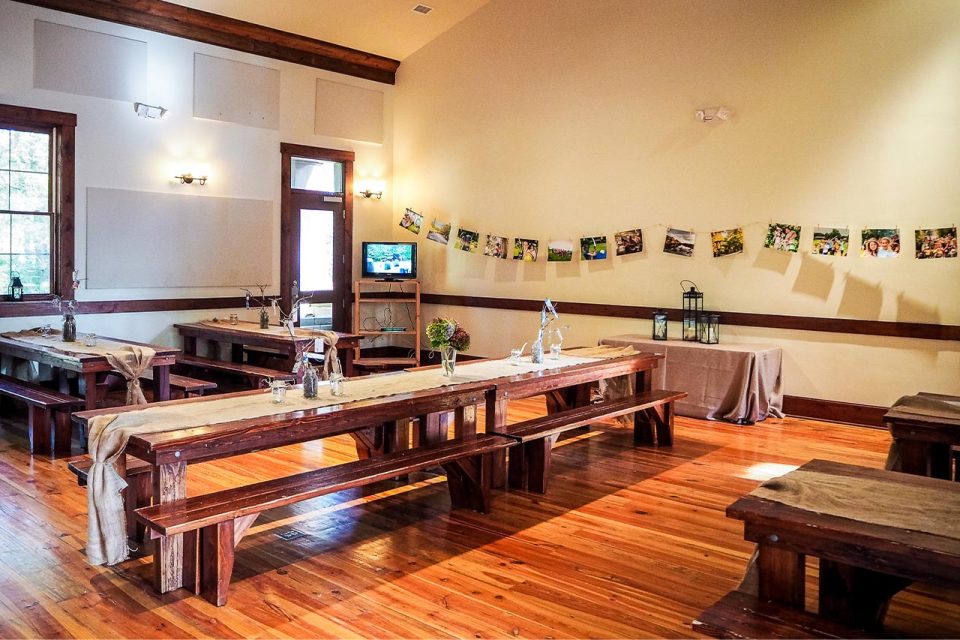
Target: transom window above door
[309, 174]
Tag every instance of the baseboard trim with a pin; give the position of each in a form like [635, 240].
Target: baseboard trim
[834, 411]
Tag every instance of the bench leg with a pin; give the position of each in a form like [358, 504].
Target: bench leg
[38, 430]
[216, 561]
[61, 431]
[655, 420]
[781, 575]
[856, 596]
[139, 493]
[169, 484]
[470, 481]
[530, 465]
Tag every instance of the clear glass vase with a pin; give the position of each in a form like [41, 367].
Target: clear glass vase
[448, 358]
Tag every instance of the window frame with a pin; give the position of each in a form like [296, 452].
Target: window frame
[62, 128]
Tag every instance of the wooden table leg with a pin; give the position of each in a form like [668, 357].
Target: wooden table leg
[496, 422]
[432, 428]
[236, 352]
[169, 484]
[348, 369]
[915, 457]
[90, 395]
[855, 596]
[213, 349]
[781, 575]
[161, 383]
[465, 422]
[190, 345]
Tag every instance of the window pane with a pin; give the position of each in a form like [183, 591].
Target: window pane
[34, 272]
[317, 175]
[30, 151]
[5, 190]
[317, 316]
[4, 275]
[316, 250]
[29, 191]
[4, 234]
[4, 148]
[31, 234]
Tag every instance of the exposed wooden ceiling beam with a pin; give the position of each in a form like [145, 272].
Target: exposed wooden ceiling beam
[210, 28]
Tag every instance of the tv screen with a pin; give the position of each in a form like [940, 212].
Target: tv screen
[390, 260]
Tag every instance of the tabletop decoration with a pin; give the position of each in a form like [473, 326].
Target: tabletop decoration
[548, 315]
[68, 309]
[447, 336]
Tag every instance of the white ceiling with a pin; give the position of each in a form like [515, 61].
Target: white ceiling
[386, 27]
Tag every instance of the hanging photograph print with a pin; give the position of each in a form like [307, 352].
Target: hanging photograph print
[679, 242]
[727, 242]
[783, 237]
[880, 243]
[525, 249]
[629, 241]
[411, 221]
[593, 248]
[468, 241]
[496, 247]
[830, 241]
[560, 251]
[937, 243]
[439, 231]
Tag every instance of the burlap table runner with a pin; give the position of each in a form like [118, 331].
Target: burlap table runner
[107, 538]
[128, 360]
[254, 327]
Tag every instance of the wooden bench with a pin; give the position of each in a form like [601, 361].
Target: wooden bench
[43, 404]
[215, 523]
[742, 615]
[139, 491]
[255, 375]
[530, 463]
[188, 387]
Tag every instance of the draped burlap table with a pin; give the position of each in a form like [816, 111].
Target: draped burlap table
[107, 538]
[129, 360]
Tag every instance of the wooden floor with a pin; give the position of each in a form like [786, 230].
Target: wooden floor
[627, 543]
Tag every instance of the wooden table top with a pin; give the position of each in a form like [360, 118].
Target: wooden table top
[898, 551]
[230, 438]
[51, 354]
[896, 416]
[245, 331]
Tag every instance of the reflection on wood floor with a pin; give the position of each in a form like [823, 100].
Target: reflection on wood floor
[627, 543]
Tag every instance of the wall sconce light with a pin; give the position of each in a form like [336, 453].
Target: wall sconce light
[713, 114]
[149, 111]
[367, 193]
[188, 178]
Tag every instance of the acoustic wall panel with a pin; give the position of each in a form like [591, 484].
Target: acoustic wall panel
[345, 111]
[143, 240]
[237, 92]
[88, 63]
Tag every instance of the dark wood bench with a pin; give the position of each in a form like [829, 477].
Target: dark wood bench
[213, 524]
[43, 405]
[253, 374]
[139, 491]
[530, 463]
[742, 615]
[188, 387]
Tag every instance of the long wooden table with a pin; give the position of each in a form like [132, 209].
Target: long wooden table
[925, 441]
[90, 367]
[249, 334]
[171, 452]
[862, 563]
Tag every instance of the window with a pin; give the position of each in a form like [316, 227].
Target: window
[36, 200]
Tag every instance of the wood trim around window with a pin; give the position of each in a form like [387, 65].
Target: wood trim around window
[920, 330]
[63, 190]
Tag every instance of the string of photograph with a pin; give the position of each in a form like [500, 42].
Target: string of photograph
[827, 241]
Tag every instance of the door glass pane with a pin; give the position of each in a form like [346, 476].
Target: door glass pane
[316, 250]
[318, 315]
[316, 175]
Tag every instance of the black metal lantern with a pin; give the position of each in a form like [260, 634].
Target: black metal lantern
[710, 330]
[659, 324]
[692, 312]
[16, 287]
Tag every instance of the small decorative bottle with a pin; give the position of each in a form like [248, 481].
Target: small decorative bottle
[264, 318]
[311, 380]
[69, 328]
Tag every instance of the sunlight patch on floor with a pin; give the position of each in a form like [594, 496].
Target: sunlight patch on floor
[763, 471]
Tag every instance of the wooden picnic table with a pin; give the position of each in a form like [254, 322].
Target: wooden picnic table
[244, 334]
[90, 367]
[925, 441]
[170, 452]
[878, 534]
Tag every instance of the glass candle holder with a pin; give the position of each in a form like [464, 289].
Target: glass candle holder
[336, 384]
[234, 318]
[90, 340]
[278, 391]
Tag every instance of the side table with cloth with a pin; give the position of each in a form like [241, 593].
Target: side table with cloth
[739, 383]
[129, 359]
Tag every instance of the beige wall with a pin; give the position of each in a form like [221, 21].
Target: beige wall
[548, 118]
[116, 149]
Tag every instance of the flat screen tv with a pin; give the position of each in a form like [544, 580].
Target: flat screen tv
[390, 260]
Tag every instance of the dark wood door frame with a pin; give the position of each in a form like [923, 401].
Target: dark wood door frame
[288, 252]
